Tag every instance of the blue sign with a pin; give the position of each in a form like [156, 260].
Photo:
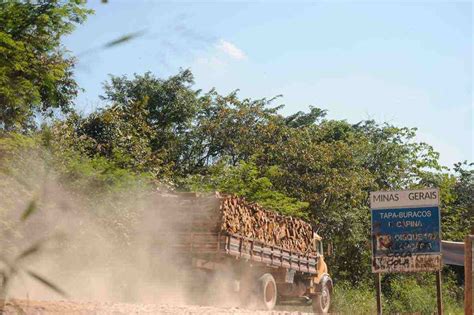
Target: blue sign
[406, 231]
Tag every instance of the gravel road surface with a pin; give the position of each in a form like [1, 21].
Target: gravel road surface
[103, 308]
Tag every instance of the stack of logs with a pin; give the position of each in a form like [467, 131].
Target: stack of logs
[188, 212]
[252, 221]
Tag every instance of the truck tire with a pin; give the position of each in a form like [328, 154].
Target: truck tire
[267, 292]
[322, 300]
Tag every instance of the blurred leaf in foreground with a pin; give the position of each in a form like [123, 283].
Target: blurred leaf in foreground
[29, 210]
[47, 283]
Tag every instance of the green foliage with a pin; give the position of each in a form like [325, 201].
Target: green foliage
[301, 119]
[407, 295]
[348, 299]
[417, 293]
[464, 196]
[160, 112]
[393, 157]
[246, 180]
[144, 129]
[227, 127]
[119, 135]
[457, 200]
[19, 153]
[166, 128]
[98, 175]
[414, 293]
[35, 71]
[302, 164]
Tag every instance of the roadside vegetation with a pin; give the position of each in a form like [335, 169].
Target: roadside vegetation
[164, 133]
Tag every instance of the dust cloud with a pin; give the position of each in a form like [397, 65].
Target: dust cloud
[94, 246]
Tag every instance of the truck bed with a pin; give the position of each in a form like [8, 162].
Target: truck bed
[206, 245]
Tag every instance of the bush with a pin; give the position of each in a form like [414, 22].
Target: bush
[417, 293]
[348, 299]
[402, 293]
[247, 180]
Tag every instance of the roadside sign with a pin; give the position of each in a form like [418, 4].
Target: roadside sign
[405, 231]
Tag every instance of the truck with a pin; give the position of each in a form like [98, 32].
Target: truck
[260, 274]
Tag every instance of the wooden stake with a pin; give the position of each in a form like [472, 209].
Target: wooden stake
[468, 310]
[378, 288]
[439, 294]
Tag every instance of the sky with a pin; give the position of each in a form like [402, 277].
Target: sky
[405, 63]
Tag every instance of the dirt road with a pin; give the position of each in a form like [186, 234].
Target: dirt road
[97, 308]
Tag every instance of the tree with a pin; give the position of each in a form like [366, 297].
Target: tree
[394, 157]
[302, 164]
[246, 180]
[35, 69]
[188, 131]
[168, 111]
[230, 128]
[456, 200]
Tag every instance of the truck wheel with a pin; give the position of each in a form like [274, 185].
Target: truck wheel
[322, 301]
[267, 291]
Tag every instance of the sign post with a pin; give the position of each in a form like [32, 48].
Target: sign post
[468, 274]
[378, 287]
[406, 233]
[439, 293]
